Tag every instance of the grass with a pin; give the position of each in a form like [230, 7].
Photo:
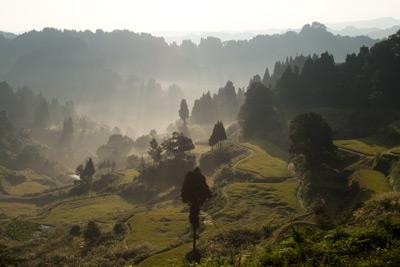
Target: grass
[13, 209]
[34, 183]
[367, 146]
[105, 209]
[199, 150]
[395, 150]
[29, 188]
[375, 181]
[257, 203]
[162, 228]
[171, 257]
[129, 174]
[268, 159]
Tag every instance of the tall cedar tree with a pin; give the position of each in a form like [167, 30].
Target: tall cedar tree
[311, 136]
[86, 174]
[218, 135]
[195, 192]
[184, 111]
[155, 150]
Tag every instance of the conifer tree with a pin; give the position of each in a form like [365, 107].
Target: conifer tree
[195, 192]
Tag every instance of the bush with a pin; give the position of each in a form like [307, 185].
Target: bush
[75, 230]
[119, 228]
[211, 160]
[167, 172]
[92, 233]
[21, 229]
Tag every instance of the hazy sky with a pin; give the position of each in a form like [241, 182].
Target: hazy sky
[186, 15]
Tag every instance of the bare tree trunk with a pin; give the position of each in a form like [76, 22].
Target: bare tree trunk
[194, 239]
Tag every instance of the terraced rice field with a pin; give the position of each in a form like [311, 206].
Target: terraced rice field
[367, 146]
[268, 160]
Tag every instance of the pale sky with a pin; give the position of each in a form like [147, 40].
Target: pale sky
[186, 15]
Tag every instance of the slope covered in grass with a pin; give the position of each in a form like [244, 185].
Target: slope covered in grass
[106, 209]
[254, 204]
[173, 257]
[375, 181]
[268, 160]
[129, 175]
[367, 146]
[160, 227]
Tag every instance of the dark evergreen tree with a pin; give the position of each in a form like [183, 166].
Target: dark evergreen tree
[42, 115]
[204, 110]
[258, 115]
[218, 135]
[183, 111]
[68, 131]
[311, 136]
[195, 192]
[267, 79]
[86, 175]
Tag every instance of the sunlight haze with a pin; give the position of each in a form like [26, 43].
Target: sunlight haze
[185, 16]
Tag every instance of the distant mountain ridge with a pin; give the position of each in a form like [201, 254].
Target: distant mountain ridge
[8, 35]
[104, 67]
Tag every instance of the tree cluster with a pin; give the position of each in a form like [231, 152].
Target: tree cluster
[177, 145]
[223, 105]
[217, 136]
[85, 174]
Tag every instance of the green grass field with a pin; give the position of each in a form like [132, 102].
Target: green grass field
[32, 183]
[105, 209]
[171, 257]
[257, 203]
[29, 188]
[395, 150]
[268, 159]
[368, 146]
[162, 228]
[375, 181]
[14, 209]
[130, 175]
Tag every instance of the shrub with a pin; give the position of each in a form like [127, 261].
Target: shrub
[75, 230]
[119, 228]
[92, 233]
[21, 229]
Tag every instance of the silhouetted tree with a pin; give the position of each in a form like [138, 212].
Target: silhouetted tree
[194, 192]
[184, 111]
[85, 174]
[42, 115]
[68, 131]
[311, 136]
[155, 150]
[258, 115]
[218, 135]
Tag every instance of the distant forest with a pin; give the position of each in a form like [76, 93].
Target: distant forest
[73, 64]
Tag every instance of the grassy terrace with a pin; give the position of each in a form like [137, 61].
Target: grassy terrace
[161, 228]
[171, 257]
[375, 181]
[105, 209]
[367, 146]
[268, 159]
[255, 204]
[130, 175]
